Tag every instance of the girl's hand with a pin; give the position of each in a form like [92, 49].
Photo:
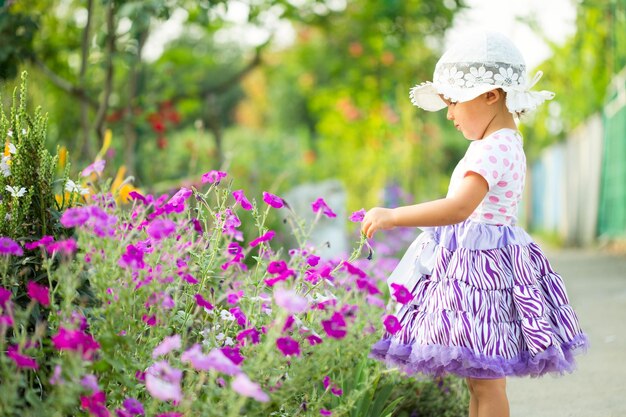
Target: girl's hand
[376, 219]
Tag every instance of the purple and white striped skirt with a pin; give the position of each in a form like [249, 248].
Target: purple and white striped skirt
[492, 307]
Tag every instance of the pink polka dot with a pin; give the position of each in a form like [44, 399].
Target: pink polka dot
[478, 161]
[493, 159]
[506, 162]
[515, 176]
[488, 216]
[517, 157]
[495, 175]
[504, 148]
[483, 172]
[502, 183]
[496, 136]
[502, 210]
[509, 194]
[508, 218]
[488, 147]
[493, 199]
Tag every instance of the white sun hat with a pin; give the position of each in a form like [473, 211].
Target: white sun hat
[481, 62]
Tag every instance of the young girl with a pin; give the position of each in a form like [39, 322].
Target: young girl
[479, 298]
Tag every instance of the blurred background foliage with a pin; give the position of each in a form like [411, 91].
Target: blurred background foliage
[325, 98]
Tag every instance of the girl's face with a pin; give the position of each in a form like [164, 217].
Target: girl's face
[473, 118]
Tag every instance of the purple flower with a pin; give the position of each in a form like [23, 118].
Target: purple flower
[10, 247]
[44, 241]
[357, 216]
[133, 407]
[161, 228]
[288, 346]
[197, 226]
[320, 204]
[5, 297]
[241, 199]
[202, 302]
[290, 301]
[252, 334]
[375, 301]
[325, 412]
[96, 167]
[233, 354]
[354, 270]
[176, 204]
[163, 382]
[392, 324]
[231, 223]
[334, 388]
[242, 385]
[314, 339]
[401, 294]
[273, 200]
[65, 247]
[90, 382]
[38, 293]
[312, 260]
[133, 258]
[213, 177]
[166, 346]
[134, 195]
[75, 340]
[74, 216]
[335, 327]
[22, 361]
[216, 359]
[266, 237]
[367, 285]
[241, 318]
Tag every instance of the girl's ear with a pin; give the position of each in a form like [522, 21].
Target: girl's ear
[493, 96]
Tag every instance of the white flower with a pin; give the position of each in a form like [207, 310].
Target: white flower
[14, 192]
[12, 148]
[72, 187]
[506, 76]
[229, 342]
[10, 133]
[5, 168]
[220, 337]
[478, 76]
[226, 315]
[452, 77]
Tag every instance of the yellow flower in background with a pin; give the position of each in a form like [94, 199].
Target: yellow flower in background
[106, 143]
[120, 187]
[62, 157]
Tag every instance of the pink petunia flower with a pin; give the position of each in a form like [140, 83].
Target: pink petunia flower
[163, 381]
[273, 200]
[176, 204]
[314, 339]
[38, 293]
[334, 388]
[75, 340]
[401, 294]
[74, 216]
[44, 241]
[266, 237]
[22, 361]
[216, 360]
[320, 205]
[290, 301]
[335, 327]
[167, 345]
[288, 346]
[357, 216]
[202, 302]
[233, 354]
[324, 412]
[97, 167]
[240, 198]
[161, 228]
[64, 247]
[213, 176]
[242, 385]
[392, 324]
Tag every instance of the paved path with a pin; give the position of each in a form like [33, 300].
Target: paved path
[596, 285]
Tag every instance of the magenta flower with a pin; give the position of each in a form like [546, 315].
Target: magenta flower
[288, 346]
[176, 204]
[392, 324]
[6, 321]
[5, 297]
[74, 216]
[335, 327]
[314, 339]
[133, 407]
[242, 385]
[312, 260]
[266, 237]
[237, 251]
[202, 302]
[216, 359]
[134, 195]
[357, 216]
[281, 272]
[233, 354]
[44, 241]
[213, 177]
[38, 293]
[290, 301]
[166, 346]
[334, 388]
[241, 199]
[163, 382]
[10, 247]
[324, 412]
[401, 294]
[64, 247]
[197, 226]
[375, 301]
[90, 382]
[22, 361]
[96, 167]
[133, 258]
[95, 404]
[251, 334]
[320, 204]
[241, 318]
[366, 285]
[273, 200]
[161, 228]
[234, 297]
[353, 270]
[76, 341]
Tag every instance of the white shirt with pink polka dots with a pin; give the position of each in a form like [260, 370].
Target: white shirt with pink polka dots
[500, 159]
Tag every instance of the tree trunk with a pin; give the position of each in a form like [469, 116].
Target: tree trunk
[85, 150]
